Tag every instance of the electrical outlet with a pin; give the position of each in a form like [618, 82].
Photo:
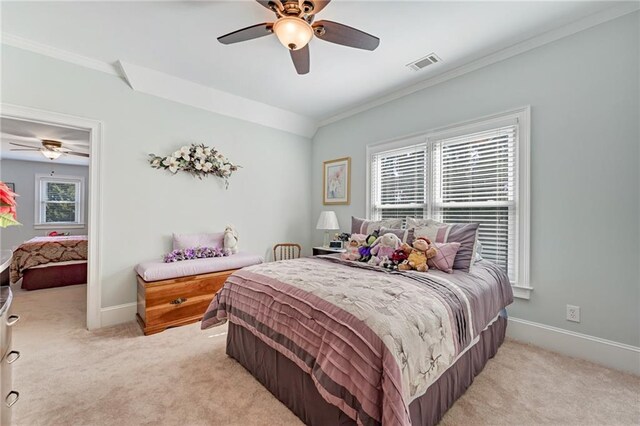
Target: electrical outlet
[573, 313]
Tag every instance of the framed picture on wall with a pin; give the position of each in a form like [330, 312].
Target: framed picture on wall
[11, 185]
[336, 181]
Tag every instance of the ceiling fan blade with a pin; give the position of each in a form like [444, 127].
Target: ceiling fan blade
[22, 149]
[25, 146]
[249, 33]
[268, 3]
[78, 154]
[301, 60]
[318, 5]
[342, 34]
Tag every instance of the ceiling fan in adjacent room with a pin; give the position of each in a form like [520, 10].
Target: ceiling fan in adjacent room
[295, 27]
[50, 149]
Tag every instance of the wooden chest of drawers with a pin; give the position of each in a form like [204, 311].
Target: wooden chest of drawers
[178, 301]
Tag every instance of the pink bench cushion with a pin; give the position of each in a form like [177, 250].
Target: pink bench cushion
[158, 270]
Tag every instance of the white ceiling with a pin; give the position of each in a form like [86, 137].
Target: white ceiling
[31, 133]
[179, 38]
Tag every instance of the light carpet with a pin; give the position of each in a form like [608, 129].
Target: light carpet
[116, 376]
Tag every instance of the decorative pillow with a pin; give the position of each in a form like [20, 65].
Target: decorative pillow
[405, 235]
[194, 253]
[445, 256]
[463, 233]
[364, 226]
[185, 241]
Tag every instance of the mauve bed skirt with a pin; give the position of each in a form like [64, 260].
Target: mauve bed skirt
[295, 389]
[54, 276]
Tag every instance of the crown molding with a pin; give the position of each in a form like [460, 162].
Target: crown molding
[152, 82]
[54, 52]
[156, 83]
[516, 49]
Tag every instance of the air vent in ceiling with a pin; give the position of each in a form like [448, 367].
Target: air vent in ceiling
[421, 63]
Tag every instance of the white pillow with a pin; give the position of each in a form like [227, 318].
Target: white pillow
[185, 241]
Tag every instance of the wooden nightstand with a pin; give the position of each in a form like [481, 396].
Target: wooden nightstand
[317, 251]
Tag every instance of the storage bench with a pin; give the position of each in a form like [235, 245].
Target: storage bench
[168, 299]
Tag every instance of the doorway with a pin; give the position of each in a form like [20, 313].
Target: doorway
[93, 129]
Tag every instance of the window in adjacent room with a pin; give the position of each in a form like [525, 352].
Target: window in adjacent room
[474, 172]
[59, 200]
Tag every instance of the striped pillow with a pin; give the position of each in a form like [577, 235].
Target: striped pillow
[364, 226]
[464, 233]
[405, 235]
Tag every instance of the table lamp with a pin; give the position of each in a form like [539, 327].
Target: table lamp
[328, 221]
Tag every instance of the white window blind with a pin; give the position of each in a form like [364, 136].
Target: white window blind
[475, 172]
[475, 181]
[399, 183]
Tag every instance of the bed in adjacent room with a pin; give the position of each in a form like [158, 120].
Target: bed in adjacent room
[342, 342]
[46, 262]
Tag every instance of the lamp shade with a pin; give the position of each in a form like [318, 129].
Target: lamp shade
[328, 221]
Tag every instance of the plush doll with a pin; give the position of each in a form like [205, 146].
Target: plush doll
[230, 240]
[384, 247]
[402, 254]
[421, 252]
[365, 248]
[353, 252]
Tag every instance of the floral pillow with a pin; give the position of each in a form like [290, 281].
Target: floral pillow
[194, 253]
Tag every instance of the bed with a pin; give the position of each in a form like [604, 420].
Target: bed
[46, 262]
[343, 343]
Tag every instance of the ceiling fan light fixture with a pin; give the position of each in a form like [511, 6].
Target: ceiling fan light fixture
[294, 33]
[51, 155]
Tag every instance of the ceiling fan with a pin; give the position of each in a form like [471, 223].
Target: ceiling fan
[50, 149]
[295, 27]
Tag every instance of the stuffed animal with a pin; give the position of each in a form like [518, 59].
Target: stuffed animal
[398, 257]
[384, 247]
[353, 252]
[401, 254]
[365, 248]
[230, 240]
[421, 252]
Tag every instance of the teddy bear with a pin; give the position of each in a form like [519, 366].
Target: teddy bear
[353, 252]
[230, 240]
[383, 247]
[421, 252]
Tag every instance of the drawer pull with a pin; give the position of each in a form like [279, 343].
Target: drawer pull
[14, 400]
[12, 320]
[16, 355]
[178, 301]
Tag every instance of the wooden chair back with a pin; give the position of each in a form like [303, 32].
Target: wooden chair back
[286, 251]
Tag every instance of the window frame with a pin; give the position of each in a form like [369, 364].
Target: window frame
[40, 204]
[522, 116]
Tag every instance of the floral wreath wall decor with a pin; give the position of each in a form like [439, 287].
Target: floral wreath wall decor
[198, 160]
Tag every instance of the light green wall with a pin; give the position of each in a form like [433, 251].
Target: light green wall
[268, 199]
[583, 92]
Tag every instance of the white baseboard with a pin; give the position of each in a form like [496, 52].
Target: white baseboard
[118, 314]
[601, 351]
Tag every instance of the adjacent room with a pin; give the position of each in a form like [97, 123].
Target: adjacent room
[341, 212]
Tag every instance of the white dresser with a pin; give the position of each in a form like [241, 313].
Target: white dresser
[8, 396]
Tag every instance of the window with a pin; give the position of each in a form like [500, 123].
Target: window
[474, 172]
[59, 201]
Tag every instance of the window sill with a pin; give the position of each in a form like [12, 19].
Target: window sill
[521, 292]
[58, 226]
